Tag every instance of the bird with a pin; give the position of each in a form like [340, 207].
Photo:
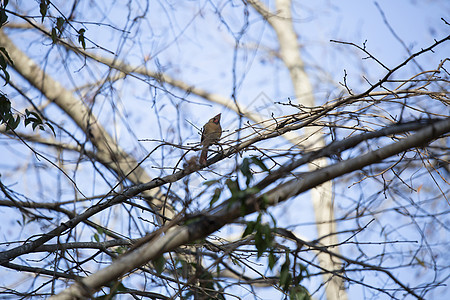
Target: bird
[211, 133]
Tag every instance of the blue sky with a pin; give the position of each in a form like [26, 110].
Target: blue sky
[189, 42]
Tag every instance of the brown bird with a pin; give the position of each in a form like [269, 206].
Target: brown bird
[210, 134]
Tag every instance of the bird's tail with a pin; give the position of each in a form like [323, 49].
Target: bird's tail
[203, 156]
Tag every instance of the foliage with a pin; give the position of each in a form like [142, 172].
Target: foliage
[7, 116]
[311, 169]
[4, 60]
[12, 122]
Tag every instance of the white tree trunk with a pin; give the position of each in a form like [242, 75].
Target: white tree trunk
[322, 196]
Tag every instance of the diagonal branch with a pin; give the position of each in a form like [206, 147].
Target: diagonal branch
[322, 196]
[107, 149]
[208, 224]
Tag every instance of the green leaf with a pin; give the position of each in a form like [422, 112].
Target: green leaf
[246, 171]
[249, 229]
[51, 127]
[299, 293]
[159, 264]
[251, 190]
[272, 259]
[100, 231]
[6, 114]
[215, 197]
[274, 222]
[5, 105]
[263, 239]
[233, 186]
[3, 17]
[36, 115]
[59, 24]
[285, 276]
[5, 53]
[32, 120]
[54, 36]
[303, 272]
[285, 279]
[259, 163]
[182, 267]
[3, 64]
[210, 182]
[14, 123]
[7, 77]
[81, 38]
[43, 7]
[260, 244]
[259, 219]
[114, 287]
[121, 287]
[36, 121]
[4, 60]
[121, 250]
[268, 235]
[264, 202]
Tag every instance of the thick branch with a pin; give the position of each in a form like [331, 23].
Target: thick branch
[107, 149]
[229, 212]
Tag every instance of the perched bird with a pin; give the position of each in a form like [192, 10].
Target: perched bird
[210, 134]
